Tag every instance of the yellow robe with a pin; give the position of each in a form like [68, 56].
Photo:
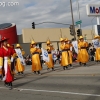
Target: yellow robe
[19, 66]
[36, 65]
[97, 54]
[83, 56]
[69, 53]
[50, 64]
[64, 55]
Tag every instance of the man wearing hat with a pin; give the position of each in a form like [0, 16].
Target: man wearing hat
[49, 49]
[6, 57]
[36, 64]
[19, 67]
[68, 45]
[64, 54]
[83, 56]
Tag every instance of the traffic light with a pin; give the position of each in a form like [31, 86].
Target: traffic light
[71, 30]
[33, 25]
[79, 32]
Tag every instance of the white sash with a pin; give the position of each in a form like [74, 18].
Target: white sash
[5, 67]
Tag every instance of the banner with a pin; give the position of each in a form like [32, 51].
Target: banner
[45, 55]
[75, 45]
[19, 54]
[96, 43]
[54, 54]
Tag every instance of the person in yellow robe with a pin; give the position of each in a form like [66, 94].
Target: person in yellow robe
[83, 56]
[36, 64]
[64, 54]
[49, 49]
[19, 67]
[97, 52]
[68, 45]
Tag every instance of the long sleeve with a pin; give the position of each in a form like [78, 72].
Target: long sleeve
[62, 46]
[32, 50]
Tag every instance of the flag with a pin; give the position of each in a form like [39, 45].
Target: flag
[45, 55]
[75, 45]
[54, 54]
[96, 43]
[19, 54]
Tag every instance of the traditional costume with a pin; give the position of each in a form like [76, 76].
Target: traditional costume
[83, 56]
[67, 48]
[6, 57]
[64, 55]
[19, 67]
[49, 49]
[36, 64]
[97, 52]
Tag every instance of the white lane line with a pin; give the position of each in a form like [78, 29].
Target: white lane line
[61, 92]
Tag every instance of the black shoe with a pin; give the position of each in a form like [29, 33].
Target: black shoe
[85, 64]
[1, 77]
[47, 68]
[34, 72]
[80, 63]
[64, 67]
[10, 87]
[53, 69]
[18, 73]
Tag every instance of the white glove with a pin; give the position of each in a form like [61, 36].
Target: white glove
[0, 67]
[12, 59]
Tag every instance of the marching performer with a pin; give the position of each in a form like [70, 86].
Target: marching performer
[64, 54]
[5, 62]
[49, 49]
[19, 67]
[12, 63]
[83, 56]
[68, 45]
[36, 64]
[97, 52]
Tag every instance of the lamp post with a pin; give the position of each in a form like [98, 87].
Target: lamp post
[72, 19]
[78, 13]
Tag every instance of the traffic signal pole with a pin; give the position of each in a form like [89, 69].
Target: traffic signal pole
[72, 19]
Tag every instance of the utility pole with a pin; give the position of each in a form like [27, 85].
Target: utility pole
[78, 12]
[72, 19]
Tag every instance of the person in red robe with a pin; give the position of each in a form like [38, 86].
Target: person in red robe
[6, 57]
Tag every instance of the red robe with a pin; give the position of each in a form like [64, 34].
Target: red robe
[7, 52]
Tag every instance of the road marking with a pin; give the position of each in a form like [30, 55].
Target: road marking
[60, 92]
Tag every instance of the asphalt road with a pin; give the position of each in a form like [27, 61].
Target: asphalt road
[55, 86]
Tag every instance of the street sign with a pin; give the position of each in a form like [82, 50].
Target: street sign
[78, 22]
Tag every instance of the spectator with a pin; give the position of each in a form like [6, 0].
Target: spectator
[28, 60]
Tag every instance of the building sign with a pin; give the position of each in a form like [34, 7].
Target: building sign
[93, 10]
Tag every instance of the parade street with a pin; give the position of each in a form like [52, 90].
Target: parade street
[77, 83]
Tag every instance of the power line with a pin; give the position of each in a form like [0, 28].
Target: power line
[52, 22]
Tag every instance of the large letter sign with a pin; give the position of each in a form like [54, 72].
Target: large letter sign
[93, 10]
